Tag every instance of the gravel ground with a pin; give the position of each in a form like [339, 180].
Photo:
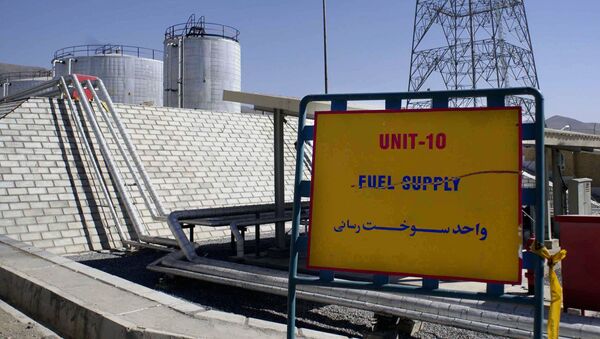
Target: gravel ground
[16, 326]
[328, 318]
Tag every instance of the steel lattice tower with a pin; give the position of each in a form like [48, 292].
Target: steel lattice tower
[472, 44]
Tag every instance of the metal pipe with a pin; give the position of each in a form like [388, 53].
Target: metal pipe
[158, 240]
[396, 311]
[54, 62]
[279, 178]
[239, 240]
[180, 73]
[325, 45]
[274, 281]
[88, 150]
[297, 212]
[69, 65]
[557, 189]
[5, 89]
[31, 91]
[540, 212]
[120, 183]
[188, 249]
[113, 133]
[161, 213]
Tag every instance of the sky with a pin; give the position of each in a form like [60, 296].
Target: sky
[369, 41]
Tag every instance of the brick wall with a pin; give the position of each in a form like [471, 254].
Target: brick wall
[50, 197]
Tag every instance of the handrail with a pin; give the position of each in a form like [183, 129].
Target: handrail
[199, 27]
[107, 49]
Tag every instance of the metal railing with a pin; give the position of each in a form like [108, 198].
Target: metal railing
[107, 49]
[199, 27]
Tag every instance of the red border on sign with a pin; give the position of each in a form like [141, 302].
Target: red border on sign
[400, 111]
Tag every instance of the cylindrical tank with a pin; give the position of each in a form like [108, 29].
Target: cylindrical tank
[201, 60]
[14, 82]
[132, 75]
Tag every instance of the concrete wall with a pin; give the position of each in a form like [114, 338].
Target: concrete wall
[49, 195]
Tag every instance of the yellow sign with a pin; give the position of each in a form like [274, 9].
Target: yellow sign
[433, 193]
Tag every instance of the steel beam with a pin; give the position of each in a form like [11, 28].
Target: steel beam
[279, 175]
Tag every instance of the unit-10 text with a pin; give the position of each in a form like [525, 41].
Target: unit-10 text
[408, 141]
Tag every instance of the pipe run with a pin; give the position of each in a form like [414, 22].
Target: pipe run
[78, 123]
[37, 90]
[60, 86]
[515, 321]
[174, 221]
[106, 153]
[121, 189]
[158, 213]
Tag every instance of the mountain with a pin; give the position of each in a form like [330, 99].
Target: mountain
[9, 68]
[559, 122]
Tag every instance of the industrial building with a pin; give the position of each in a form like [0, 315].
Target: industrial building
[122, 147]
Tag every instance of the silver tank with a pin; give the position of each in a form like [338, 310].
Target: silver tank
[210, 63]
[14, 82]
[132, 75]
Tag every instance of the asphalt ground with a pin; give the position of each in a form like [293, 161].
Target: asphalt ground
[328, 318]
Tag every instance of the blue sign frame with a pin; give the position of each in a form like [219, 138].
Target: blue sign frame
[440, 99]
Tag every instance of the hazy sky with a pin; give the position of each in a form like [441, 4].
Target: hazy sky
[369, 41]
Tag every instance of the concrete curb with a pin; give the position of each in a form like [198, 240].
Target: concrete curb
[24, 319]
[77, 301]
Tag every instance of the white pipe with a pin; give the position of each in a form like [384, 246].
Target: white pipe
[113, 133]
[86, 144]
[31, 91]
[160, 213]
[69, 65]
[120, 183]
[5, 89]
[54, 62]
[180, 74]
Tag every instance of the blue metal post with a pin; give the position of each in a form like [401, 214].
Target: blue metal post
[293, 269]
[540, 214]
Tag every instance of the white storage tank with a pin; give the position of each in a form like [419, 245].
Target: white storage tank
[14, 82]
[201, 60]
[132, 75]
